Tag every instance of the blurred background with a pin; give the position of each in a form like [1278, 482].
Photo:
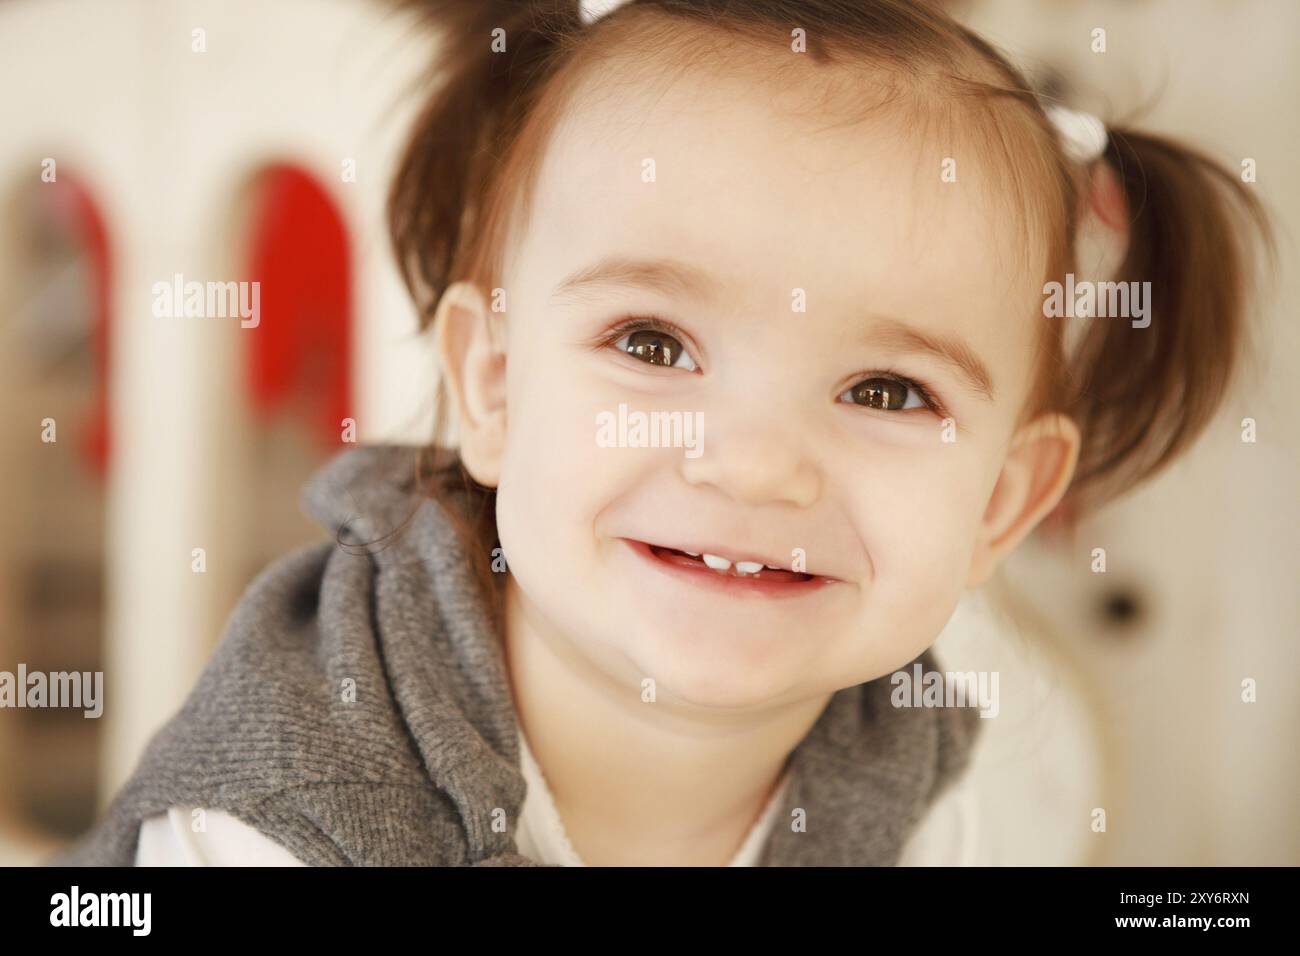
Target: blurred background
[237, 140]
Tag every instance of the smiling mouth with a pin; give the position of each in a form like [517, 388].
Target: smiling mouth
[721, 571]
[717, 564]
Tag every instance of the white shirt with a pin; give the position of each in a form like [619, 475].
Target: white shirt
[1024, 800]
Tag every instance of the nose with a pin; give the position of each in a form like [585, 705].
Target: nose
[755, 467]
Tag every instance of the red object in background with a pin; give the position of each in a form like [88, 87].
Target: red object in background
[300, 353]
[87, 225]
[1106, 198]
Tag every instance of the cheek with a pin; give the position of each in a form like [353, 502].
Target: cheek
[918, 522]
[921, 501]
[554, 478]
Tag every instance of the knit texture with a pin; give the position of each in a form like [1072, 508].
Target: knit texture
[415, 769]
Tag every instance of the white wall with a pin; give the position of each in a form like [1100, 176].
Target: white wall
[167, 138]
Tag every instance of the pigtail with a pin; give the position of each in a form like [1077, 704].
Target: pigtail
[479, 98]
[1141, 395]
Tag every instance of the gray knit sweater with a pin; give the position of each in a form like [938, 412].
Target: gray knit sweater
[410, 771]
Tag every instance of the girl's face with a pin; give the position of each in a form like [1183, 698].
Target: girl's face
[804, 274]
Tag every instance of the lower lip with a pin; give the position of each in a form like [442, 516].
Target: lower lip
[703, 576]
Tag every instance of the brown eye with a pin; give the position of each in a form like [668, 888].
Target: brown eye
[887, 394]
[655, 348]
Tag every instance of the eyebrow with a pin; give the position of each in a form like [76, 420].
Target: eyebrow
[667, 276]
[895, 334]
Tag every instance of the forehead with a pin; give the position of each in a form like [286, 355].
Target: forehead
[770, 189]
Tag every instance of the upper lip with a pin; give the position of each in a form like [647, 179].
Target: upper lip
[734, 554]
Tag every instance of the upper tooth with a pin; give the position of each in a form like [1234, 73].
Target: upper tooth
[749, 567]
[717, 563]
[693, 554]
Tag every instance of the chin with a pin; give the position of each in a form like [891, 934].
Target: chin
[725, 669]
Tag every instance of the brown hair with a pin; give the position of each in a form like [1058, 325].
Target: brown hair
[1139, 396]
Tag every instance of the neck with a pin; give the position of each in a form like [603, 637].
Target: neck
[659, 783]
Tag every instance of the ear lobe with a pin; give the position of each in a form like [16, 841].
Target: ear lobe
[473, 366]
[1039, 466]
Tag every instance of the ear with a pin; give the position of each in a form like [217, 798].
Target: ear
[473, 365]
[1039, 465]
